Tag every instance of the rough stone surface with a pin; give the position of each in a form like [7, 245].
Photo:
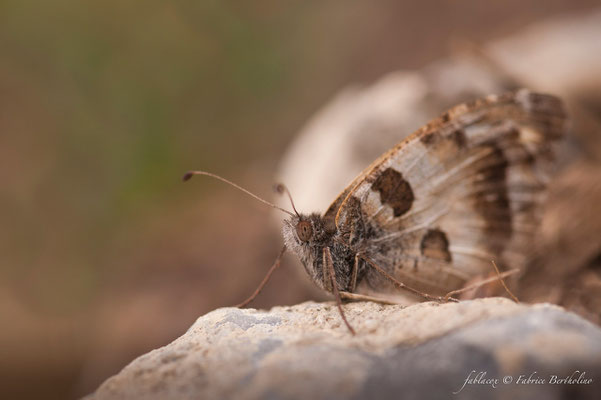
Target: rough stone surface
[421, 351]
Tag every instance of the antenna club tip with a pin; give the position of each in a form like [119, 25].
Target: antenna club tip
[187, 176]
[279, 188]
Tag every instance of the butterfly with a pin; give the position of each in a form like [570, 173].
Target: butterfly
[431, 213]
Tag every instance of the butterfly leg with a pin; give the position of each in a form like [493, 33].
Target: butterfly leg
[329, 264]
[363, 297]
[401, 285]
[498, 278]
[354, 274]
[275, 266]
[327, 279]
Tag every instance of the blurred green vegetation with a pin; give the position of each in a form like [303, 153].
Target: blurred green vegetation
[119, 99]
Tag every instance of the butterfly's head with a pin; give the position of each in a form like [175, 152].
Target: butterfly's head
[306, 236]
[308, 230]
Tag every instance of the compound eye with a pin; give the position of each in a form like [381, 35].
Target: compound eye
[304, 231]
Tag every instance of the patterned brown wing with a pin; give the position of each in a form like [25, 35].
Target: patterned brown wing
[461, 191]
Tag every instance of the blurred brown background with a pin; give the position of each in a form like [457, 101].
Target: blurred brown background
[104, 254]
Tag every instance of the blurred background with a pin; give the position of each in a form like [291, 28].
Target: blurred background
[104, 253]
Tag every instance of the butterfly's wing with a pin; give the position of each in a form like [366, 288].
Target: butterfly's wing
[460, 192]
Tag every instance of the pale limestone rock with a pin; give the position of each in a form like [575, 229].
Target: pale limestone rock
[422, 351]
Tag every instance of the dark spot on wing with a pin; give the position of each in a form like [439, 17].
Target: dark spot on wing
[491, 200]
[459, 138]
[494, 200]
[435, 245]
[395, 191]
[430, 137]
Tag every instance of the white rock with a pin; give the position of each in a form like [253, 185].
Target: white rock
[424, 350]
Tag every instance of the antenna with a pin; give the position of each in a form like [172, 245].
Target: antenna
[281, 188]
[190, 174]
